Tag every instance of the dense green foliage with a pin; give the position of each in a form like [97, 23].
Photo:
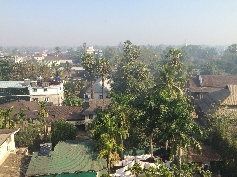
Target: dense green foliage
[223, 138]
[132, 76]
[62, 131]
[73, 100]
[185, 169]
[159, 110]
[106, 130]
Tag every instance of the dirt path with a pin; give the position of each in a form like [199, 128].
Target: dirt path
[15, 165]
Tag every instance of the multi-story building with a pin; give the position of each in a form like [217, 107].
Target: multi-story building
[47, 91]
[32, 91]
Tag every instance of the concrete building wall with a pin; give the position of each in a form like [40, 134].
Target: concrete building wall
[7, 146]
[56, 99]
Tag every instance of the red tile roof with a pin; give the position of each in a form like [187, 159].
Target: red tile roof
[93, 104]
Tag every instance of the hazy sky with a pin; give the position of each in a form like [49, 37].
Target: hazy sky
[108, 22]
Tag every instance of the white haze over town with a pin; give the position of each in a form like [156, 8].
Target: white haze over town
[51, 23]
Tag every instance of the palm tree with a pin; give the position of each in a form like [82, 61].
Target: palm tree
[89, 64]
[67, 68]
[103, 69]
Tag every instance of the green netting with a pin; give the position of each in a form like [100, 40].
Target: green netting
[87, 174]
[68, 158]
[67, 175]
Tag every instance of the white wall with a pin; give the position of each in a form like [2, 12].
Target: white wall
[52, 89]
[7, 146]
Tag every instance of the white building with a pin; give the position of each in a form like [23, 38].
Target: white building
[7, 142]
[98, 89]
[32, 91]
[47, 92]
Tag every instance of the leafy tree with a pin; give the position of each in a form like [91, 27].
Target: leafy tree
[105, 132]
[27, 136]
[122, 111]
[5, 118]
[42, 114]
[211, 69]
[171, 74]
[132, 76]
[25, 70]
[62, 131]
[89, 64]
[222, 123]
[151, 109]
[73, 100]
[57, 51]
[178, 127]
[232, 48]
[150, 57]
[136, 169]
[6, 69]
[103, 70]
[111, 53]
[69, 88]
[74, 87]
[21, 117]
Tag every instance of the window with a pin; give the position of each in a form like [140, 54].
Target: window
[46, 99]
[45, 89]
[100, 97]
[90, 116]
[34, 90]
[35, 99]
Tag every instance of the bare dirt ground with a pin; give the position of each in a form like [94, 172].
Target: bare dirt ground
[15, 165]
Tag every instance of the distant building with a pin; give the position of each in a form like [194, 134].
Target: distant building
[96, 52]
[50, 60]
[90, 50]
[98, 89]
[202, 84]
[32, 91]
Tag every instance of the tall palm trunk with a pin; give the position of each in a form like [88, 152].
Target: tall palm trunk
[122, 154]
[108, 162]
[180, 156]
[151, 144]
[5, 122]
[166, 149]
[103, 80]
[92, 88]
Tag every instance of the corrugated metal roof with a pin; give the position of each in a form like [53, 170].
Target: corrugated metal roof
[6, 84]
[227, 96]
[67, 157]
